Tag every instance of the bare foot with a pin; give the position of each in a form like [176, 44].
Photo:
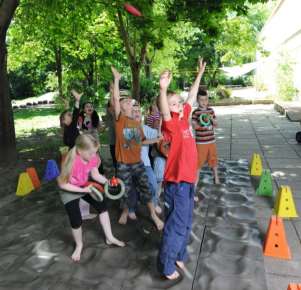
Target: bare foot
[158, 209]
[175, 275]
[159, 224]
[114, 241]
[89, 216]
[123, 218]
[180, 264]
[77, 252]
[132, 216]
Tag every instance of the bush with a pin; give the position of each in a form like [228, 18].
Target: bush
[286, 90]
[223, 92]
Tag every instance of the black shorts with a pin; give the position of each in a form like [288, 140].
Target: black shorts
[73, 210]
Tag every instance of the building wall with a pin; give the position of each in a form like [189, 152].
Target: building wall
[281, 34]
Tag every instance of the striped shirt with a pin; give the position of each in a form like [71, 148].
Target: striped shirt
[204, 133]
[153, 120]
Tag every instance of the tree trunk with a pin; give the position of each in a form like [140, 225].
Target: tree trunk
[8, 151]
[148, 68]
[135, 69]
[59, 70]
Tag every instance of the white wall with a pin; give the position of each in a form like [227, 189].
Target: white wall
[282, 32]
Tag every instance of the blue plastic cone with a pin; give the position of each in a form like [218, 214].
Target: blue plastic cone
[52, 171]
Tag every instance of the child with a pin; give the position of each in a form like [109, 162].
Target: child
[89, 119]
[153, 118]
[69, 123]
[204, 134]
[129, 136]
[152, 137]
[179, 175]
[81, 161]
[89, 122]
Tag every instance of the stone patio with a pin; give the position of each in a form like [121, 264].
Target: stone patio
[229, 225]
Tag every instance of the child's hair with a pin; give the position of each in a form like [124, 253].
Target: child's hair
[202, 93]
[82, 142]
[62, 118]
[85, 103]
[171, 94]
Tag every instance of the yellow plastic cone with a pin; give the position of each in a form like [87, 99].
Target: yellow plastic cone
[285, 204]
[25, 185]
[256, 165]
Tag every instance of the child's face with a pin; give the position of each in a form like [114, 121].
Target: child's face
[203, 101]
[88, 109]
[67, 120]
[126, 106]
[175, 104]
[87, 155]
[137, 113]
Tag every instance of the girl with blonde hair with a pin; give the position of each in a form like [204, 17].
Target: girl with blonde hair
[81, 162]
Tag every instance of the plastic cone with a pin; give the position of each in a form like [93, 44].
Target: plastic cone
[51, 171]
[275, 244]
[25, 185]
[285, 204]
[265, 187]
[292, 286]
[34, 177]
[256, 165]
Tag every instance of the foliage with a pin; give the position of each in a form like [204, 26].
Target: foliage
[286, 90]
[171, 34]
[223, 92]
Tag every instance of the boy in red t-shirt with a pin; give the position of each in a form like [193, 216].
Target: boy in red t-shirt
[180, 174]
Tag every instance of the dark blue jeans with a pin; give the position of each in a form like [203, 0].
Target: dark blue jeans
[179, 203]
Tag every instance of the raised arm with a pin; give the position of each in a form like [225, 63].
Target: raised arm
[165, 80]
[115, 97]
[195, 86]
[77, 96]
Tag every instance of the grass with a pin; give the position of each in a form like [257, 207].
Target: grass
[27, 121]
[42, 126]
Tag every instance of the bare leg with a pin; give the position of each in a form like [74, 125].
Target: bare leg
[158, 209]
[215, 173]
[159, 224]
[124, 216]
[105, 222]
[132, 216]
[180, 264]
[196, 199]
[77, 235]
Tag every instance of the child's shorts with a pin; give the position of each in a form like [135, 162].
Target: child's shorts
[207, 153]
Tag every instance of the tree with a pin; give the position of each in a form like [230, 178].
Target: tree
[8, 151]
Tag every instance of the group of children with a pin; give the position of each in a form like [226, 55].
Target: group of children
[191, 144]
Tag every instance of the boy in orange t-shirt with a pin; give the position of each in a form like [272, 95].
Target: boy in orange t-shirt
[129, 138]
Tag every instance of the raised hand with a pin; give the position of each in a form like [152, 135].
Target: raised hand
[116, 73]
[202, 65]
[76, 95]
[165, 79]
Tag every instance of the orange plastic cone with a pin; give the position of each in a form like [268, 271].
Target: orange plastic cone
[275, 244]
[292, 286]
[34, 177]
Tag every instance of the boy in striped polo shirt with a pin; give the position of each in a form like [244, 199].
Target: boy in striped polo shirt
[204, 122]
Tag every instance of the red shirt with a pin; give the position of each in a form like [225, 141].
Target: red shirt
[181, 163]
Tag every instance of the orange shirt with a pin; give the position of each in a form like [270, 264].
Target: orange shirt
[129, 135]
